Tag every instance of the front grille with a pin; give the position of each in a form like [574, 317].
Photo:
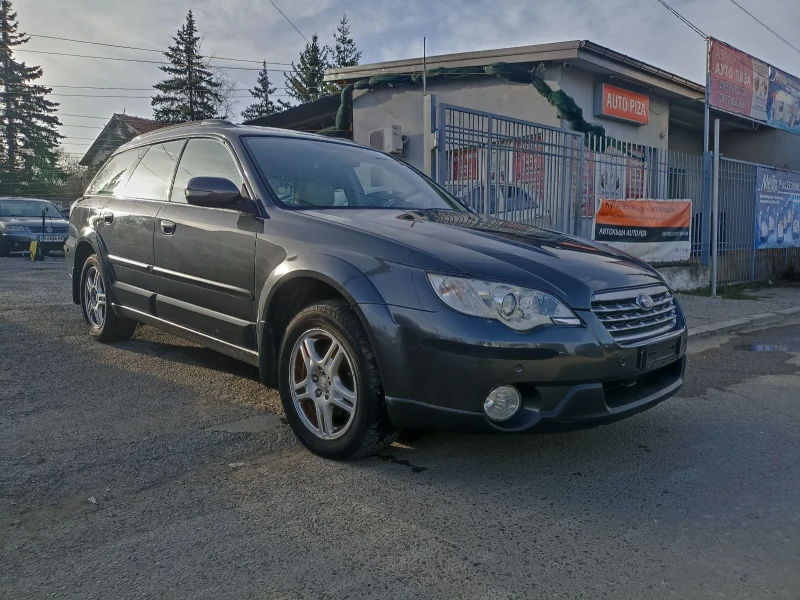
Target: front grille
[61, 230]
[627, 322]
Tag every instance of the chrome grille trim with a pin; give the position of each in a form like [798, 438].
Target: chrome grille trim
[627, 322]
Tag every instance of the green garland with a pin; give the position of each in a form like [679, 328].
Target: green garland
[565, 105]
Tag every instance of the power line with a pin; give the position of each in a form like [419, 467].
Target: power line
[139, 60]
[767, 27]
[146, 89]
[686, 21]
[82, 116]
[243, 60]
[125, 96]
[290, 21]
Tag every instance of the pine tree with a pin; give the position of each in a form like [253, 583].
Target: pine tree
[304, 82]
[345, 52]
[263, 105]
[28, 125]
[191, 92]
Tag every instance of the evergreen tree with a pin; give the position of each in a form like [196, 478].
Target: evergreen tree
[263, 105]
[345, 52]
[304, 82]
[28, 125]
[191, 92]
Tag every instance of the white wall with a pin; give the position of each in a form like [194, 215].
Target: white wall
[580, 85]
[403, 106]
[766, 146]
[686, 140]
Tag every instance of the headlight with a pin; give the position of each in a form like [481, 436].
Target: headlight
[14, 228]
[519, 308]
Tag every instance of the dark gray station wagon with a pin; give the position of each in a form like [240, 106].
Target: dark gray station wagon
[372, 298]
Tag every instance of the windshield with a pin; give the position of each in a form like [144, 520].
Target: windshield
[27, 208]
[307, 174]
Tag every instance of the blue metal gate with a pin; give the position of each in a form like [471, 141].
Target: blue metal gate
[511, 169]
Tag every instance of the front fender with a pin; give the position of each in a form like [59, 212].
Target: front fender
[343, 276]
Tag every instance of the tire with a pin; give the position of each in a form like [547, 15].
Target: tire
[104, 324]
[4, 251]
[359, 424]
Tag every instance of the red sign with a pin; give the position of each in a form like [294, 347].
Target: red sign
[465, 164]
[529, 164]
[622, 104]
[738, 83]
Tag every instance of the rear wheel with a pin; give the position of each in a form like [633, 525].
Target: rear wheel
[330, 385]
[104, 324]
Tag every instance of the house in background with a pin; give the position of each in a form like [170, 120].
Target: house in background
[119, 130]
[312, 117]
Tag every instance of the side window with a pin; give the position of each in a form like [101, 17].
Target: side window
[153, 174]
[204, 158]
[113, 174]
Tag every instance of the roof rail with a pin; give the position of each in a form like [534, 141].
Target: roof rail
[187, 124]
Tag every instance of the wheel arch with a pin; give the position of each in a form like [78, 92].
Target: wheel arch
[88, 243]
[292, 287]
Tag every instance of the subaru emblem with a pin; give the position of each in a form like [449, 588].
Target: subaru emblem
[644, 302]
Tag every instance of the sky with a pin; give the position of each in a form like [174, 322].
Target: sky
[384, 30]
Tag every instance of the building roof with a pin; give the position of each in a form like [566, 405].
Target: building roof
[120, 128]
[312, 116]
[583, 53]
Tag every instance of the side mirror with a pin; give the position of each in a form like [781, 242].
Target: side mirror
[212, 192]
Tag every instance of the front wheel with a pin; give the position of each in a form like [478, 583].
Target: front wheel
[330, 385]
[104, 324]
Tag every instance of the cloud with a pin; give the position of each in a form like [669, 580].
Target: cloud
[384, 29]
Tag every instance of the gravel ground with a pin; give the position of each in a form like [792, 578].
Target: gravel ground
[199, 491]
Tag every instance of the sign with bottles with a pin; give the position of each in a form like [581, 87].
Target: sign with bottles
[777, 208]
[743, 85]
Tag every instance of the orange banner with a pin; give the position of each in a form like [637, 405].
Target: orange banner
[644, 213]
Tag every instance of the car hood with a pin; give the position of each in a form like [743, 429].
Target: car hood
[35, 222]
[468, 244]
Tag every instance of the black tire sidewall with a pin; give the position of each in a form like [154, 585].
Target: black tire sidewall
[345, 446]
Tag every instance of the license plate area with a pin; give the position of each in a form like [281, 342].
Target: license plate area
[654, 356]
[51, 238]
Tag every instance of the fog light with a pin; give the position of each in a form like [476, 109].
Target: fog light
[502, 403]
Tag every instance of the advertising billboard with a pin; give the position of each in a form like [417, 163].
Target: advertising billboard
[743, 85]
[777, 208]
[653, 230]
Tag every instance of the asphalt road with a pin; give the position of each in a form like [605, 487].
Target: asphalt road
[697, 498]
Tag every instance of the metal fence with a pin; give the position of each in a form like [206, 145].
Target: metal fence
[738, 261]
[510, 169]
[521, 171]
[623, 170]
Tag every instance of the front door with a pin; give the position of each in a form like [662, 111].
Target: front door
[205, 257]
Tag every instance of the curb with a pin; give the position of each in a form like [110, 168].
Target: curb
[743, 323]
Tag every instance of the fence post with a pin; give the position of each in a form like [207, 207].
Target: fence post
[488, 187]
[705, 214]
[429, 141]
[715, 211]
[441, 150]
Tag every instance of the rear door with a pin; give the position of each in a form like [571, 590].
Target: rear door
[205, 257]
[127, 221]
[124, 228]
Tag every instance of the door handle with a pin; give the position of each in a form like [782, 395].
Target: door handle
[108, 216]
[167, 227]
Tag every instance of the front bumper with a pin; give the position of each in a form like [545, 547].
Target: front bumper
[438, 368]
[21, 241]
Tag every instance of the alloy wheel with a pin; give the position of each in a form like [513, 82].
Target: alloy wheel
[323, 384]
[94, 298]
